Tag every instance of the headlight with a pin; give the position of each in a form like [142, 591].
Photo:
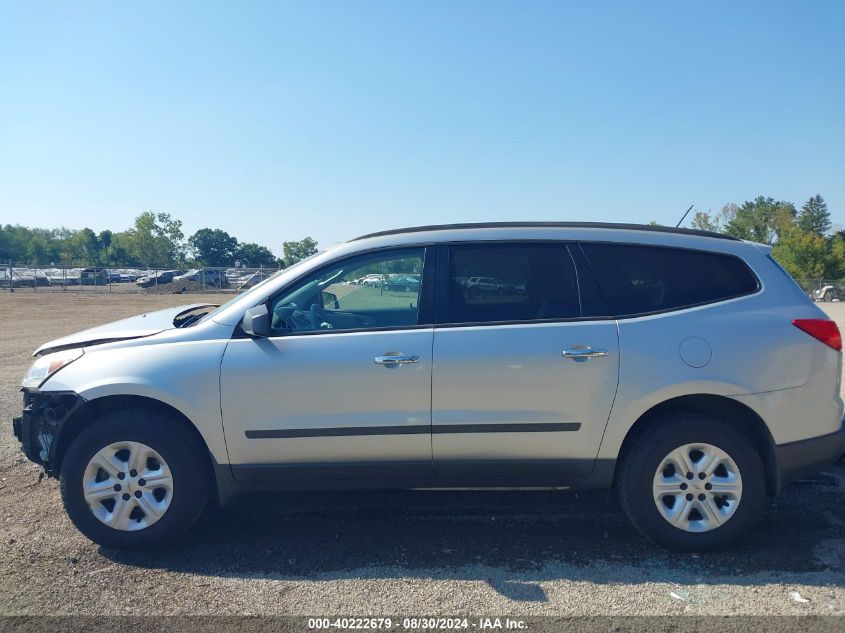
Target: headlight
[48, 365]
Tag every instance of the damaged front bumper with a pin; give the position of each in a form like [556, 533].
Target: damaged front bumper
[44, 414]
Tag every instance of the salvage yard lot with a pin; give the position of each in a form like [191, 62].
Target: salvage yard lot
[389, 553]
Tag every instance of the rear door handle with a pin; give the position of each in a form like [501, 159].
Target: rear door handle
[583, 353]
[394, 359]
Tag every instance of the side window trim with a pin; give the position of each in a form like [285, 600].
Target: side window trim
[425, 310]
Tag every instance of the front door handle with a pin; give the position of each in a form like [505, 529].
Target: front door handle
[583, 353]
[394, 359]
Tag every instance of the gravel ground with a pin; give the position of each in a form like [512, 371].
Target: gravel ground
[412, 553]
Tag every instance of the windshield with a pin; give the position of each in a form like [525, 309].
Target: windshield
[256, 287]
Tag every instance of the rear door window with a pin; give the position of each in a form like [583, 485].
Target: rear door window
[638, 279]
[506, 282]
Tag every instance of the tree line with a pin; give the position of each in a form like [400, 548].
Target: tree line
[803, 240]
[155, 240]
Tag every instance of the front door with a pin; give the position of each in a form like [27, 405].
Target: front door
[524, 375]
[342, 389]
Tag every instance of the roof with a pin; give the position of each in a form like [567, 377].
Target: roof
[570, 225]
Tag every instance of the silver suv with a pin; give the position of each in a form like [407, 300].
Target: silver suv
[684, 369]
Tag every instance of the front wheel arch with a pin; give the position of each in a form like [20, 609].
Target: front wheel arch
[93, 410]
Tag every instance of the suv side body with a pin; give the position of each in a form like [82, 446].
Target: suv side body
[430, 385]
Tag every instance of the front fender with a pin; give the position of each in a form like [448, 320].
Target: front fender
[182, 375]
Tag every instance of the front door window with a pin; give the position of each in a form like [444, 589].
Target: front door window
[379, 290]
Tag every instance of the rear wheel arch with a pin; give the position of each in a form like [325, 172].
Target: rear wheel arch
[93, 410]
[745, 419]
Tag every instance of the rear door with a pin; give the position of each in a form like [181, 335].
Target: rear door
[524, 377]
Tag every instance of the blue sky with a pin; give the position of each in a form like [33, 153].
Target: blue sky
[276, 120]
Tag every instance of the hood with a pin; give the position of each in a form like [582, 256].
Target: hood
[133, 327]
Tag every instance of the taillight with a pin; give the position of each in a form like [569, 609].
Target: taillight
[822, 329]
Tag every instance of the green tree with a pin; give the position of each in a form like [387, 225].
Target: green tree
[68, 248]
[37, 251]
[86, 246]
[157, 239]
[255, 255]
[814, 217]
[105, 242]
[803, 255]
[296, 251]
[213, 247]
[761, 220]
[122, 249]
[715, 222]
[705, 221]
[835, 268]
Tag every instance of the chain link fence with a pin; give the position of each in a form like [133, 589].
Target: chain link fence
[122, 279]
[211, 279]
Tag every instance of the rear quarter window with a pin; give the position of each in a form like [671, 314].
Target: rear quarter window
[642, 279]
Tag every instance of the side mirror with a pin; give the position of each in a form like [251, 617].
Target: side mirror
[256, 321]
[330, 301]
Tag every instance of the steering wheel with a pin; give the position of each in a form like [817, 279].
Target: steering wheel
[316, 315]
[291, 317]
[301, 320]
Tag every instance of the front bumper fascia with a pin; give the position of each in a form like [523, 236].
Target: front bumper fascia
[799, 459]
[38, 427]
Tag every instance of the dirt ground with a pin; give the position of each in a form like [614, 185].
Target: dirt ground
[379, 553]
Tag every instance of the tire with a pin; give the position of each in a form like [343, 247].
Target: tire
[185, 463]
[638, 477]
[828, 296]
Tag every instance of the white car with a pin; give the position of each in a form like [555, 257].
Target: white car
[684, 369]
[827, 293]
[207, 276]
[482, 286]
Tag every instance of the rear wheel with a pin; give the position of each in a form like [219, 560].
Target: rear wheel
[828, 295]
[135, 479]
[692, 483]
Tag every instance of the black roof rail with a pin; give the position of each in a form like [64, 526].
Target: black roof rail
[570, 225]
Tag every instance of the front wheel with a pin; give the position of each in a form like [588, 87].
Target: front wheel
[693, 483]
[134, 479]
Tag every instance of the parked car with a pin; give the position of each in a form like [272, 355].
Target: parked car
[93, 277]
[113, 276]
[158, 278]
[482, 286]
[684, 369]
[23, 278]
[402, 283]
[827, 292]
[251, 279]
[207, 276]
